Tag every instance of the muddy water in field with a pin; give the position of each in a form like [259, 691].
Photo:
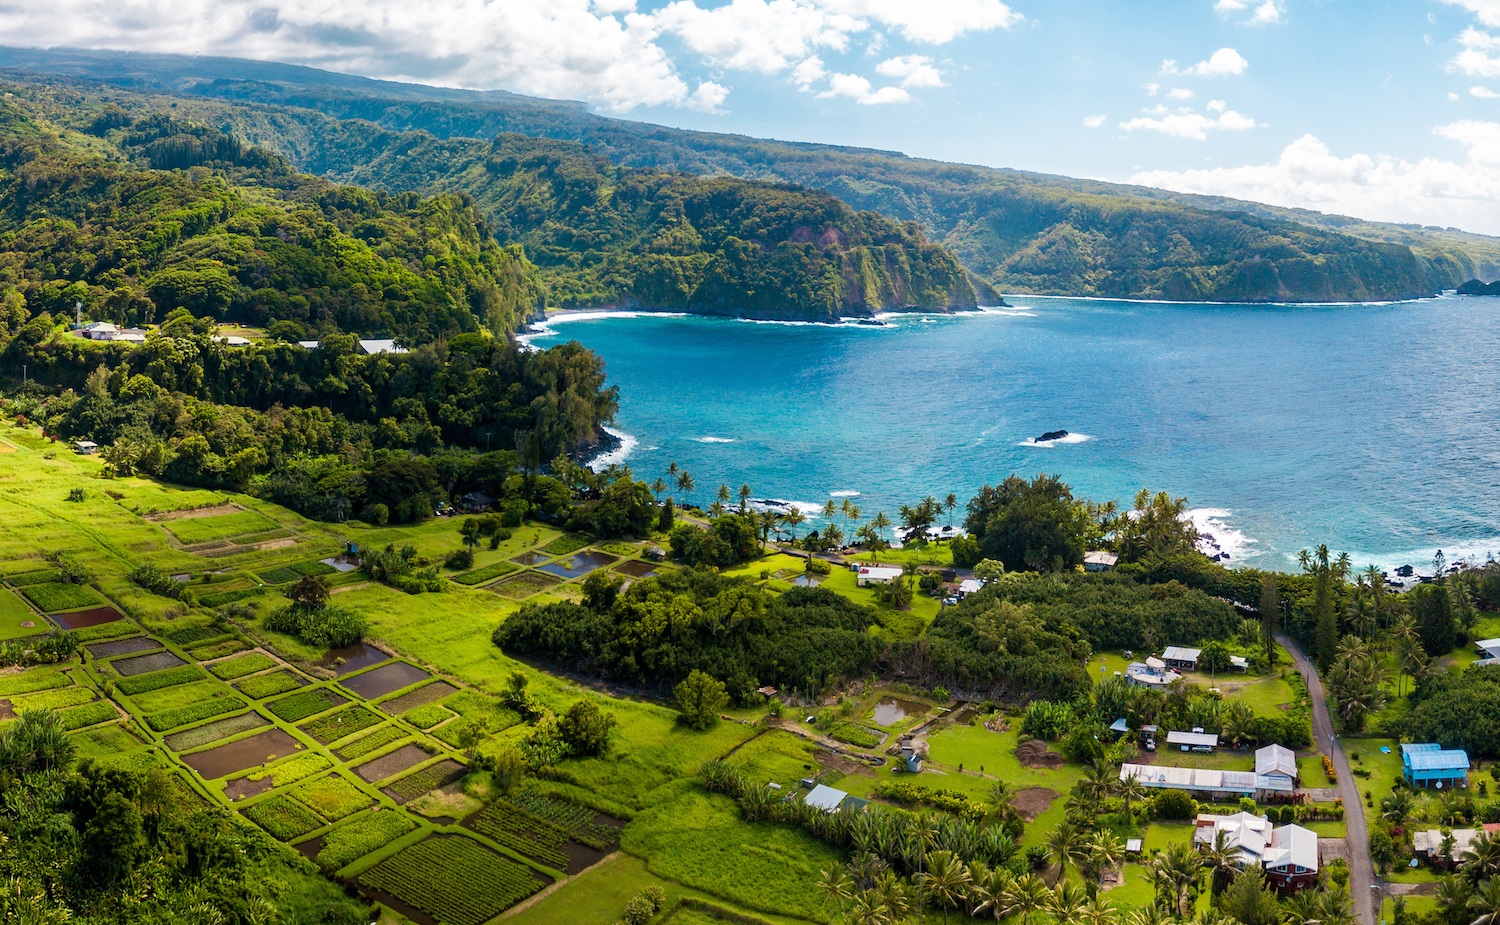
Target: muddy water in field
[352, 658]
[123, 646]
[892, 710]
[437, 690]
[381, 681]
[637, 569]
[78, 619]
[387, 765]
[246, 753]
[580, 563]
[141, 664]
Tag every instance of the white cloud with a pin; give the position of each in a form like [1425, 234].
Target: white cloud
[1486, 11]
[608, 7]
[767, 36]
[1095, 121]
[1480, 56]
[912, 70]
[1152, 89]
[1267, 13]
[1463, 193]
[709, 97]
[1179, 93]
[1226, 62]
[861, 91]
[808, 72]
[1452, 97]
[1185, 123]
[935, 22]
[1261, 14]
[1483, 93]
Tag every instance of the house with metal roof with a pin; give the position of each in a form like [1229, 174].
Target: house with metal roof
[376, 345]
[1291, 859]
[1206, 782]
[1428, 764]
[825, 798]
[1197, 739]
[1276, 761]
[1181, 657]
[1099, 561]
[1488, 648]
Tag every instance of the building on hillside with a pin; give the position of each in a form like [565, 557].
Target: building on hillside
[376, 345]
[1288, 854]
[877, 575]
[98, 330]
[476, 501]
[135, 336]
[825, 798]
[1099, 561]
[1428, 845]
[1153, 673]
[233, 340]
[86, 447]
[970, 586]
[1119, 727]
[1239, 663]
[1209, 784]
[1181, 657]
[309, 344]
[1488, 648]
[1197, 740]
[1277, 761]
[1430, 765]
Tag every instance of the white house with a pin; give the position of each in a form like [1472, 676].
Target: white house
[86, 447]
[970, 586]
[308, 344]
[98, 330]
[1181, 657]
[1099, 561]
[1152, 673]
[1287, 853]
[1277, 761]
[877, 575]
[825, 798]
[234, 340]
[1196, 740]
[1488, 648]
[373, 346]
[130, 336]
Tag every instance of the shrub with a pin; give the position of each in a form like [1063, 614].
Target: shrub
[1173, 804]
[151, 577]
[459, 560]
[329, 626]
[858, 736]
[427, 716]
[1046, 720]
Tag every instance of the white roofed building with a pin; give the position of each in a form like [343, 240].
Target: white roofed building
[1288, 853]
[1181, 657]
[876, 575]
[1276, 761]
[373, 346]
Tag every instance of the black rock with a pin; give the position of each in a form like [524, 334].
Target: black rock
[1051, 435]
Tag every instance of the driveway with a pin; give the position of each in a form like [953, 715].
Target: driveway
[1362, 878]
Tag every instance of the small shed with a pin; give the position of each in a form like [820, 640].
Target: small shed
[1119, 727]
[1428, 764]
[766, 691]
[877, 575]
[1133, 845]
[1239, 663]
[1276, 761]
[476, 501]
[1194, 740]
[825, 798]
[1099, 561]
[1181, 657]
[86, 447]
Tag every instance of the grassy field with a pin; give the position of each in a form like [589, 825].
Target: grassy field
[14, 613]
[193, 530]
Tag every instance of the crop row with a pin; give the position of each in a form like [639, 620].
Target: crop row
[481, 575]
[456, 880]
[305, 704]
[156, 680]
[283, 817]
[33, 681]
[425, 717]
[214, 650]
[193, 635]
[348, 843]
[78, 717]
[565, 544]
[52, 596]
[341, 723]
[332, 797]
[111, 630]
[213, 732]
[269, 685]
[371, 743]
[286, 573]
[515, 828]
[428, 779]
[292, 770]
[220, 598]
[574, 818]
[55, 699]
[241, 665]
[206, 709]
[34, 578]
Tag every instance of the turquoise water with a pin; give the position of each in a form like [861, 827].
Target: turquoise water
[1372, 428]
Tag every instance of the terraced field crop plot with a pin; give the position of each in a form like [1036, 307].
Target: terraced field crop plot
[136, 685]
[241, 665]
[123, 646]
[392, 764]
[269, 685]
[578, 564]
[453, 879]
[14, 615]
[353, 840]
[428, 716]
[425, 781]
[582, 823]
[36, 680]
[78, 717]
[301, 706]
[565, 544]
[104, 740]
[40, 576]
[213, 650]
[214, 731]
[332, 797]
[194, 713]
[57, 699]
[279, 774]
[193, 530]
[181, 695]
[524, 585]
[246, 753]
[437, 690]
[193, 635]
[522, 832]
[350, 659]
[377, 682]
[141, 664]
[372, 743]
[490, 572]
[283, 817]
[285, 573]
[84, 619]
[51, 596]
[341, 723]
[635, 568]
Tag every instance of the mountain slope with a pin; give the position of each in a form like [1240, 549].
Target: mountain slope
[1019, 231]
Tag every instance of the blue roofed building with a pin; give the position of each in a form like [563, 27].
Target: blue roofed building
[1430, 765]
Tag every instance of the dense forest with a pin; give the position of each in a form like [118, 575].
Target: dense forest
[598, 235]
[1018, 231]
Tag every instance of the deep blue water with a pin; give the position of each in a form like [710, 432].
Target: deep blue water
[1373, 428]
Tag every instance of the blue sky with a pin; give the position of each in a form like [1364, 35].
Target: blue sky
[1388, 110]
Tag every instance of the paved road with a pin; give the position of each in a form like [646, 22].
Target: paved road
[1362, 879]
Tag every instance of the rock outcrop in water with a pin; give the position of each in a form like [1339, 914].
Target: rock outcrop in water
[1051, 435]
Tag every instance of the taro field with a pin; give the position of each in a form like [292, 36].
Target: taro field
[454, 879]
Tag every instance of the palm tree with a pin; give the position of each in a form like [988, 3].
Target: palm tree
[684, 482]
[946, 879]
[830, 510]
[988, 893]
[1486, 902]
[1026, 897]
[658, 487]
[1099, 782]
[1103, 852]
[869, 909]
[723, 494]
[1096, 912]
[1481, 860]
[893, 893]
[1066, 844]
[850, 511]
[836, 887]
[1222, 862]
[1149, 915]
[716, 510]
[766, 521]
[794, 518]
[1452, 897]
[1065, 902]
[1131, 789]
[950, 504]
[744, 497]
[1174, 873]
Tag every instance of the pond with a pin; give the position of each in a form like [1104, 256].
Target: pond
[352, 658]
[381, 681]
[530, 558]
[807, 581]
[892, 710]
[635, 568]
[123, 646]
[140, 664]
[78, 619]
[580, 563]
[246, 753]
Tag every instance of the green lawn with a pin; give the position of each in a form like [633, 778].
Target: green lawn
[192, 530]
[14, 612]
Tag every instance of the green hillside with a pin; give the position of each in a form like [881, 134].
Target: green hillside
[1018, 231]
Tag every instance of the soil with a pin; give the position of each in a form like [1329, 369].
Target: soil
[244, 788]
[246, 753]
[123, 646]
[446, 803]
[636, 568]
[419, 697]
[408, 756]
[78, 619]
[1033, 801]
[140, 664]
[446, 772]
[839, 762]
[1034, 753]
[214, 511]
[215, 550]
[581, 857]
[381, 681]
[6, 710]
[310, 848]
[352, 658]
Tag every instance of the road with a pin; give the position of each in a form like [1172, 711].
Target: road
[1362, 878]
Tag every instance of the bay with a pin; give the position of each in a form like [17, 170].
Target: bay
[1372, 427]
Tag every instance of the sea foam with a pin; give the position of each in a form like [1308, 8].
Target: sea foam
[714, 439]
[1048, 444]
[616, 456]
[1217, 535]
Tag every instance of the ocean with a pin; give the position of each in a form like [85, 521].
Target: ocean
[1374, 428]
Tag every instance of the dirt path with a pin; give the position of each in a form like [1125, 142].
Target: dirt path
[1362, 880]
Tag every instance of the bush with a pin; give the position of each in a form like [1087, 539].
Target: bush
[701, 698]
[459, 560]
[328, 626]
[151, 577]
[1173, 804]
[1046, 720]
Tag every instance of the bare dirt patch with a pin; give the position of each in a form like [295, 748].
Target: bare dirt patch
[244, 787]
[1033, 801]
[246, 753]
[123, 646]
[78, 619]
[408, 756]
[422, 696]
[217, 550]
[837, 762]
[377, 682]
[1034, 753]
[214, 511]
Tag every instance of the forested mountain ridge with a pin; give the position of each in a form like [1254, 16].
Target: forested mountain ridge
[600, 235]
[1018, 231]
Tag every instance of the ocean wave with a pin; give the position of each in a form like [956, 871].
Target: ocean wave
[546, 327]
[808, 508]
[1048, 444]
[846, 493]
[1466, 552]
[715, 439]
[795, 324]
[616, 456]
[1215, 535]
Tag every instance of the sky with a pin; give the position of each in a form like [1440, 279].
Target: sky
[1384, 109]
